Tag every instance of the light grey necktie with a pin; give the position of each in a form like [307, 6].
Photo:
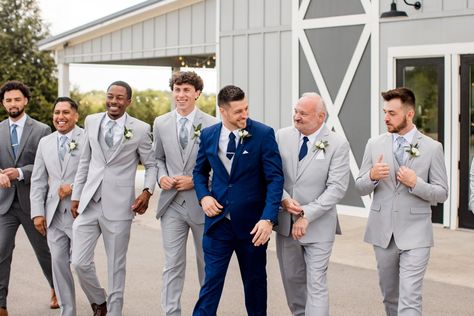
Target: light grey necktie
[183, 132]
[14, 139]
[109, 134]
[62, 147]
[400, 150]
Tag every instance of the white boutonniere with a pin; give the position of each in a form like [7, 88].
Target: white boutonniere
[197, 131]
[321, 145]
[243, 135]
[72, 145]
[413, 150]
[127, 133]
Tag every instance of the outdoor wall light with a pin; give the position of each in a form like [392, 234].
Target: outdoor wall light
[395, 13]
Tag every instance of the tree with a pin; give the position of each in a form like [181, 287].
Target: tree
[21, 28]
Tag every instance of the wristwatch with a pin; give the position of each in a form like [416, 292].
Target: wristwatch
[148, 190]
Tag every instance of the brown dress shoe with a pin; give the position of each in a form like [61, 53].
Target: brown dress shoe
[99, 310]
[54, 300]
[3, 311]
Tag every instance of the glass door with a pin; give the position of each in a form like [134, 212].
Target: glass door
[425, 77]
[466, 217]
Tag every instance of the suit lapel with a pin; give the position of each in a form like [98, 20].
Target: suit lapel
[313, 151]
[128, 124]
[192, 142]
[94, 129]
[295, 151]
[416, 140]
[388, 157]
[24, 136]
[215, 148]
[53, 146]
[5, 130]
[74, 136]
[242, 144]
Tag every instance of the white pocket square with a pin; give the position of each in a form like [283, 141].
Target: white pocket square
[245, 152]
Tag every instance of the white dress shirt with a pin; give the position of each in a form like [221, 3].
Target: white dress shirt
[119, 128]
[20, 125]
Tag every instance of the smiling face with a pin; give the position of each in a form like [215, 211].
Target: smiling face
[65, 117]
[398, 117]
[116, 101]
[15, 102]
[234, 114]
[185, 96]
[308, 115]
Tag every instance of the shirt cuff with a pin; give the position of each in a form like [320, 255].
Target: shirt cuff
[20, 174]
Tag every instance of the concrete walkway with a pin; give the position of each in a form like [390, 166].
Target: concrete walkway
[448, 290]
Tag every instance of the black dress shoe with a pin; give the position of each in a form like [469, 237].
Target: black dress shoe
[99, 310]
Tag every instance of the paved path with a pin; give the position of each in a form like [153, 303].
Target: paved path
[448, 291]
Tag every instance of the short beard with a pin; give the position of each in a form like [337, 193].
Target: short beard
[16, 114]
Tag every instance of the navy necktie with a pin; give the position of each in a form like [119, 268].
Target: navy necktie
[14, 139]
[304, 148]
[231, 146]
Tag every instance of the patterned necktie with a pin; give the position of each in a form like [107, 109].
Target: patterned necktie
[109, 135]
[183, 132]
[231, 146]
[62, 147]
[304, 148]
[14, 139]
[400, 150]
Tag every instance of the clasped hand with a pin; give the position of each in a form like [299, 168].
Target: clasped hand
[180, 183]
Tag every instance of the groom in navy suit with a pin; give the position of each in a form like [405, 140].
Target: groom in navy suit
[242, 204]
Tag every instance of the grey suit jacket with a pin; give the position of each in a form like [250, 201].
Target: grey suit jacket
[318, 185]
[32, 133]
[48, 175]
[396, 210]
[114, 177]
[170, 163]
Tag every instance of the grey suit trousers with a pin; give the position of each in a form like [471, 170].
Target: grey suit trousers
[59, 237]
[175, 225]
[401, 275]
[303, 267]
[87, 228]
[9, 223]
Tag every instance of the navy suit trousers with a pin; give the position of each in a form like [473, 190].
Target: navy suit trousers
[219, 243]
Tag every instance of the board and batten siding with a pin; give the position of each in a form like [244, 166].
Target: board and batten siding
[255, 54]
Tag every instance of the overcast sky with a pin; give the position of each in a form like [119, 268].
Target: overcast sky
[63, 15]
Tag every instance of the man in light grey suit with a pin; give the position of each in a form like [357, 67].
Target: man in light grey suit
[316, 169]
[406, 173]
[115, 143]
[55, 166]
[176, 136]
[19, 138]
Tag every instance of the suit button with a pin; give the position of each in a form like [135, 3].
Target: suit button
[226, 202]
[230, 185]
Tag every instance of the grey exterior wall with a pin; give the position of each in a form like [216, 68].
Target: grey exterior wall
[437, 22]
[333, 48]
[255, 54]
[187, 31]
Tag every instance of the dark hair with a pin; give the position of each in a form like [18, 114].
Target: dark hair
[15, 85]
[189, 77]
[68, 100]
[124, 85]
[228, 94]
[404, 94]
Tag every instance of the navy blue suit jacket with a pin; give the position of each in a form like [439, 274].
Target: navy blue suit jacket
[254, 188]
